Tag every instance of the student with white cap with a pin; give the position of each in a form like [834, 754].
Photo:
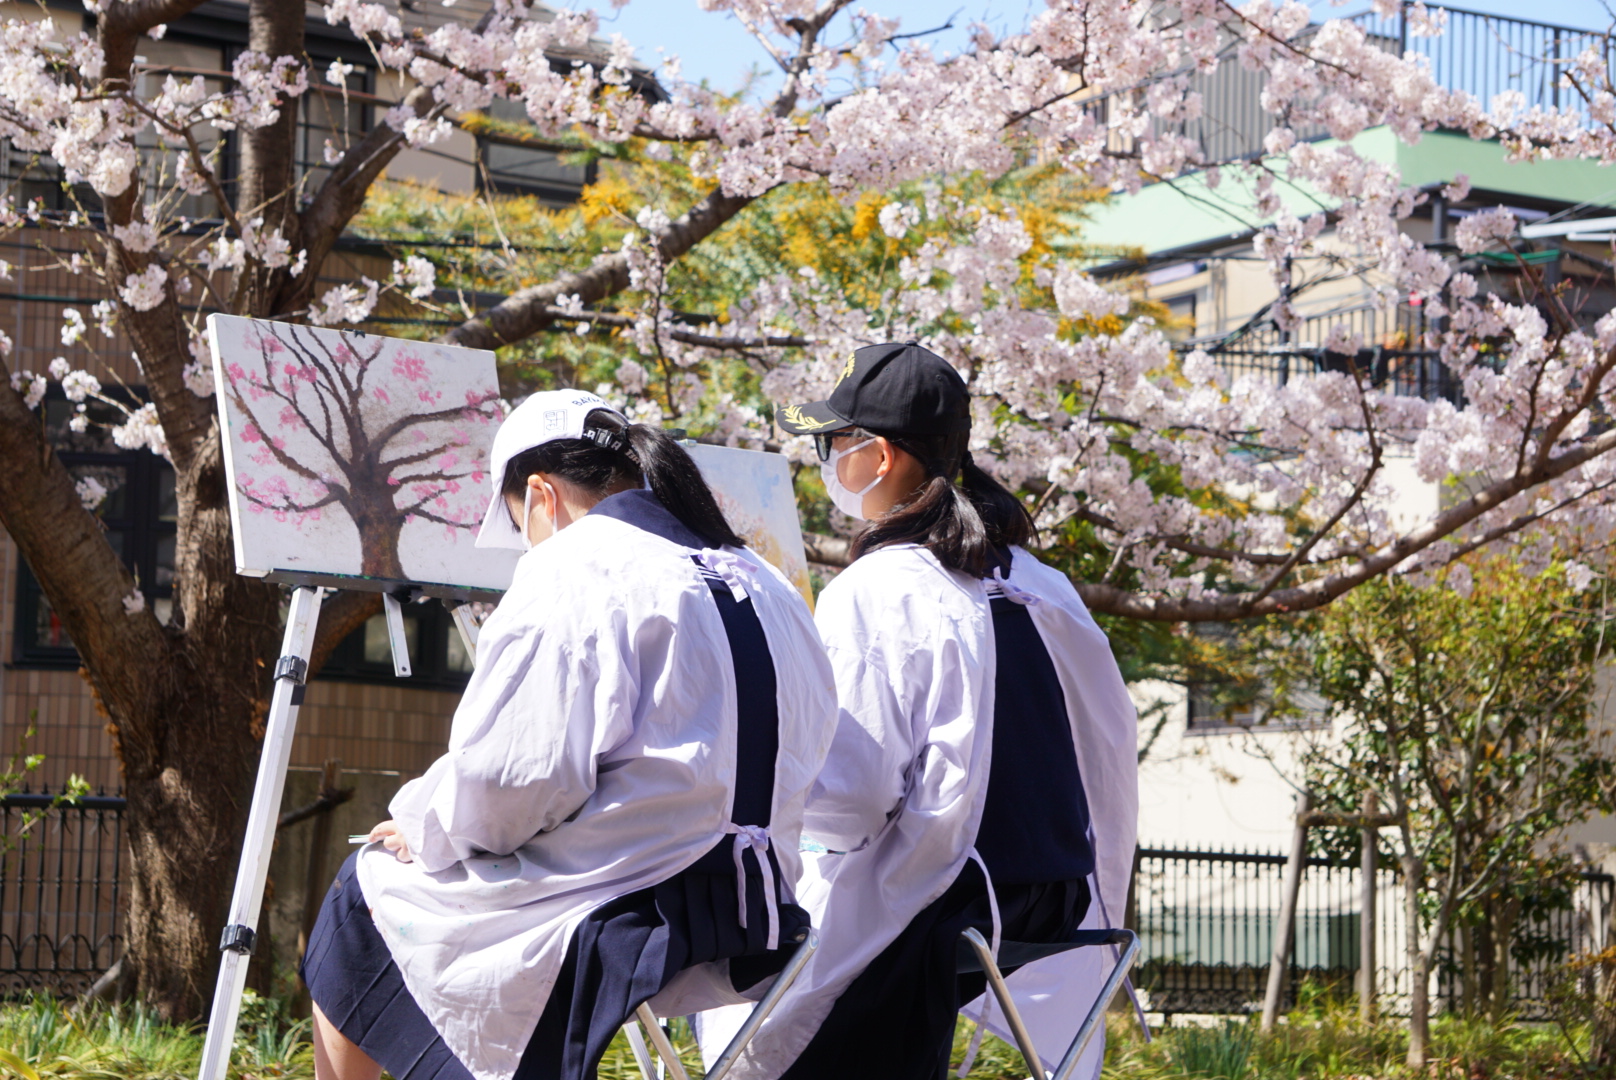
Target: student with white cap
[623, 792]
[983, 771]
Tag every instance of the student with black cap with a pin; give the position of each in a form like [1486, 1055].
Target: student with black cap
[983, 770]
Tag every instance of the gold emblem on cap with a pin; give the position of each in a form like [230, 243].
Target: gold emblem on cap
[852, 358]
[793, 415]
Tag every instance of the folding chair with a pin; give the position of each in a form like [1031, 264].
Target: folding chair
[809, 941]
[977, 956]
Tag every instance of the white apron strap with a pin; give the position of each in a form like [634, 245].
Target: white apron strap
[987, 997]
[738, 573]
[1015, 592]
[1116, 953]
[755, 837]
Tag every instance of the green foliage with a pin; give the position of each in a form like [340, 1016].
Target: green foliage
[1466, 710]
[42, 1038]
[1323, 1039]
[1219, 1053]
[52, 1041]
[15, 771]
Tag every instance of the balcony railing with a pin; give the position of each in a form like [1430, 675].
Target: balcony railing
[1483, 55]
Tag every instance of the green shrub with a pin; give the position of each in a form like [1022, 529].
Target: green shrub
[1212, 1053]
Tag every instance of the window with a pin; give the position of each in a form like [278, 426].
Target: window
[139, 513]
[327, 113]
[1214, 711]
[438, 658]
[1181, 315]
[182, 58]
[513, 169]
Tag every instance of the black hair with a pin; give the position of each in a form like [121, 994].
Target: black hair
[617, 454]
[966, 525]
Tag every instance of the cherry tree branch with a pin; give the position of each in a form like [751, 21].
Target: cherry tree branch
[1315, 594]
[67, 549]
[686, 337]
[527, 311]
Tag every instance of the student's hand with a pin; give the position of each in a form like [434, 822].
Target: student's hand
[392, 839]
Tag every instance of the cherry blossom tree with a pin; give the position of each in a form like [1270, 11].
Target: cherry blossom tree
[1199, 496]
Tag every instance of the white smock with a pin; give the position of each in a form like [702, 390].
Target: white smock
[902, 793]
[593, 755]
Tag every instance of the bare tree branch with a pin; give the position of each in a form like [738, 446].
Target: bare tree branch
[828, 550]
[527, 311]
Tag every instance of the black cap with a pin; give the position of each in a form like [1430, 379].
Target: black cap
[897, 388]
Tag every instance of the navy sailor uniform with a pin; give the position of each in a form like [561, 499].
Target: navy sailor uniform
[896, 1020]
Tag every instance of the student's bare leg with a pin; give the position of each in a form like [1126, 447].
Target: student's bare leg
[335, 1058]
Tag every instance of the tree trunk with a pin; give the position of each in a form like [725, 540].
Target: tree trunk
[1472, 983]
[268, 187]
[1419, 972]
[1504, 914]
[379, 525]
[190, 753]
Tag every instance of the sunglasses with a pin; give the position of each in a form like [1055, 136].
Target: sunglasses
[823, 443]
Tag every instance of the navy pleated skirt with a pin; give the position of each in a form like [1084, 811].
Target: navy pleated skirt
[895, 1021]
[622, 954]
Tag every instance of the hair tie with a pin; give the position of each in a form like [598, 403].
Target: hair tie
[967, 462]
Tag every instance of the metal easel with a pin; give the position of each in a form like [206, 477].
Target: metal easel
[241, 928]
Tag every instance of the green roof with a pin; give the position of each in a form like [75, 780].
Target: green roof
[1186, 214]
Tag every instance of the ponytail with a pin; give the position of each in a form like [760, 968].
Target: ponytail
[615, 454]
[678, 485]
[966, 525]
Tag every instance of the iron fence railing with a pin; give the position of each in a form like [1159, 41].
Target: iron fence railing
[1482, 55]
[1207, 920]
[61, 920]
[1486, 55]
[1389, 354]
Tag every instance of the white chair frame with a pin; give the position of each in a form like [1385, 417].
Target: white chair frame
[665, 1053]
[1126, 940]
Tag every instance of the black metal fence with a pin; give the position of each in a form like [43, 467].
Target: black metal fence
[1486, 55]
[1388, 355]
[1482, 55]
[61, 918]
[1207, 920]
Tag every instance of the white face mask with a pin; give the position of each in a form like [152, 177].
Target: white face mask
[846, 500]
[527, 514]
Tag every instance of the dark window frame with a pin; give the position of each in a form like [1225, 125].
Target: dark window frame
[141, 531]
[429, 661]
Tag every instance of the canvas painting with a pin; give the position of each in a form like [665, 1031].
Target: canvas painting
[355, 460]
[754, 491]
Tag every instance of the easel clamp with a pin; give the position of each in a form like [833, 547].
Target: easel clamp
[238, 938]
[294, 668]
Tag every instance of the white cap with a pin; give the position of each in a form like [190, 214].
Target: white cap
[542, 418]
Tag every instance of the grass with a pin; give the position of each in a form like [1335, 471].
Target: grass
[47, 1040]
[1325, 1040]
[43, 1039]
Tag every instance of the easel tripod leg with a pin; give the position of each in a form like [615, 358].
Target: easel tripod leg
[241, 929]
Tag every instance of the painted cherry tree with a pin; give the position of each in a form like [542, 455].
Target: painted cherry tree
[376, 432]
[1210, 498]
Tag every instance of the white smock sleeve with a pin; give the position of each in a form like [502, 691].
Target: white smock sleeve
[548, 698]
[866, 774]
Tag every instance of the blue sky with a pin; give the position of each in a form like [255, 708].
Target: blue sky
[717, 48]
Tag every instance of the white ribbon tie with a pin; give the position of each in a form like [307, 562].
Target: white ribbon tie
[1015, 592]
[755, 837]
[975, 1046]
[738, 573]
